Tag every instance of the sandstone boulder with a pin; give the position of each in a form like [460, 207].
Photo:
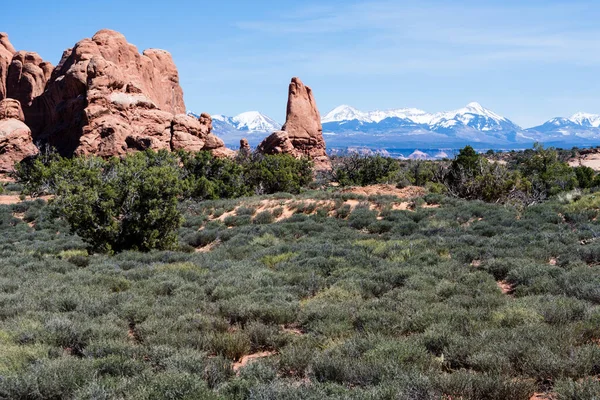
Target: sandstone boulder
[15, 137]
[188, 133]
[278, 143]
[302, 133]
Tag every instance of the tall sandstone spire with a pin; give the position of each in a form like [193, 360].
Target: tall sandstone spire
[302, 133]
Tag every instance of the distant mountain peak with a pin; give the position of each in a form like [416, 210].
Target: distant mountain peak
[249, 121]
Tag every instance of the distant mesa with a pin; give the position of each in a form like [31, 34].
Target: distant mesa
[302, 133]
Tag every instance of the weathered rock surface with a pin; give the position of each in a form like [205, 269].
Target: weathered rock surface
[6, 54]
[15, 137]
[302, 133]
[27, 78]
[278, 143]
[105, 98]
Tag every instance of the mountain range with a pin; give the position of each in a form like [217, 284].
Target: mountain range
[346, 126]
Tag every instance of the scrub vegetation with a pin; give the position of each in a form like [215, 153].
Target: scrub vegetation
[179, 276]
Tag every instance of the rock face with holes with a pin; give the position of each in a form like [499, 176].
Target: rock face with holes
[302, 133]
[15, 137]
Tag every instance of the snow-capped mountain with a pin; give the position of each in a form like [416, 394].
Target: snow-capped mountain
[579, 129]
[251, 125]
[348, 113]
[251, 122]
[472, 123]
[348, 127]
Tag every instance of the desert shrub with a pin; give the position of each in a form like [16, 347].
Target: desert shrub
[214, 178]
[231, 345]
[547, 173]
[480, 386]
[211, 178]
[114, 205]
[365, 170]
[587, 389]
[245, 210]
[278, 173]
[472, 176]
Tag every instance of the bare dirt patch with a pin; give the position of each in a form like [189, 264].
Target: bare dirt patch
[543, 396]
[208, 248]
[506, 287]
[16, 199]
[294, 330]
[408, 192]
[245, 360]
[587, 160]
[6, 179]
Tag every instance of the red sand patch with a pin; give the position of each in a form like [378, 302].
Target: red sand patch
[289, 207]
[208, 248]
[542, 396]
[408, 192]
[15, 199]
[250, 358]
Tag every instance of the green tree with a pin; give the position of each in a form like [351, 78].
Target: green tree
[116, 204]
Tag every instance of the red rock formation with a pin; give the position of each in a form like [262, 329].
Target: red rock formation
[27, 77]
[105, 98]
[302, 133]
[15, 137]
[245, 147]
[6, 54]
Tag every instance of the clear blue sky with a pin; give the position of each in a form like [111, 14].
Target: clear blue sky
[527, 60]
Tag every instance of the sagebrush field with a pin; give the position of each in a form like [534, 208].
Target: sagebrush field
[321, 294]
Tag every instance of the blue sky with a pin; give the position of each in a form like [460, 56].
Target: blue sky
[527, 60]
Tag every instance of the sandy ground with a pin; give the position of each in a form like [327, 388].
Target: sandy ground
[15, 199]
[588, 160]
[408, 192]
[251, 357]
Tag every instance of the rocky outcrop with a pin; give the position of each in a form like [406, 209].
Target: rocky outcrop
[245, 148]
[6, 54]
[15, 137]
[27, 77]
[278, 143]
[105, 98]
[302, 133]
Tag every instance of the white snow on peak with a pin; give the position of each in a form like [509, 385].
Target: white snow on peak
[253, 121]
[465, 115]
[586, 119]
[446, 119]
[219, 117]
[349, 113]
